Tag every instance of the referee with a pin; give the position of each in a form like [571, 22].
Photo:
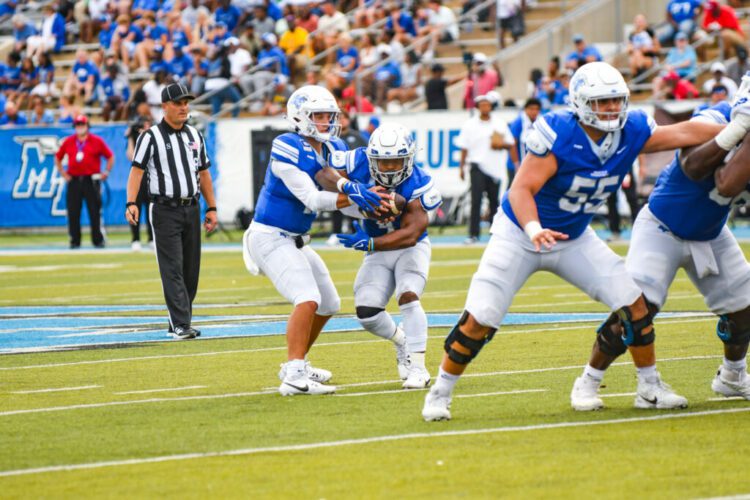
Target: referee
[173, 155]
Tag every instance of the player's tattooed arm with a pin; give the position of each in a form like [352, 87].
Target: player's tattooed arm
[413, 224]
[732, 178]
[701, 161]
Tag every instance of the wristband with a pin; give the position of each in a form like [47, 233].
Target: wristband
[130, 204]
[211, 209]
[532, 229]
[370, 245]
[340, 184]
[728, 138]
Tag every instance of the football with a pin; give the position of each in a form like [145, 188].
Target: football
[397, 204]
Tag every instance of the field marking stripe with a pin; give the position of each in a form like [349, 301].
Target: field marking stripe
[167, 389]
[362, 441]
[321, 344]
[617, 395]
[374, 393]
[57, 389]
[500, 393]
[272, 390]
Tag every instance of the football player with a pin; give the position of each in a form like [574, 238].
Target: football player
[276, 241]
[684, 226]
[578, 158]
[397, 249]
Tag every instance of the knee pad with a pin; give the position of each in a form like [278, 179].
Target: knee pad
[473, 345]
[609, 341]
[633, 330]
[364, 312]
[731, 333]
[330, 307]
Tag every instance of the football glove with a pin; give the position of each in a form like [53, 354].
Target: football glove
[358, 194]
[360, 240]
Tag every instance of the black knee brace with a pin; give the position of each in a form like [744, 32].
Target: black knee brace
[364, 312]
[731, 333]
[633, 330]
[609, 341]
[473, 345]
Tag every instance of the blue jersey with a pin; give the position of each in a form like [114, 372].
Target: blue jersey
[587, 172]
[418, 185]
[276, 205]
[691, 210]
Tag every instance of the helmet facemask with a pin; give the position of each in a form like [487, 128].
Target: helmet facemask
[602, 119]
[389, 177]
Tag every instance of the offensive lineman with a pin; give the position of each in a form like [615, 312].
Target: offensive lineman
[684, 225]
[398, 251]
[276, 241]
[579, 157]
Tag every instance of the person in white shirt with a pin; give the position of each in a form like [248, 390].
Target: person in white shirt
[510, 19]
[332, 22]
[240, 59]
[152, 89]
[46, 40]
[720, 78]
[485, 143]
[443, 27]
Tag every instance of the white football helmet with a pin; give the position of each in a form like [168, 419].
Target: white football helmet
[595, 81]
[308, 100]
[391, 142]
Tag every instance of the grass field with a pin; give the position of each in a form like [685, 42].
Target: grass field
[202, 418]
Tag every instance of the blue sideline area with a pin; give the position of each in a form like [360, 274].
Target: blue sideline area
[29, 329]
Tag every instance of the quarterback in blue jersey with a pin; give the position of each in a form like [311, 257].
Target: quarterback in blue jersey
[684, 226]
[276, 241]
[398, 249]
[577, 159]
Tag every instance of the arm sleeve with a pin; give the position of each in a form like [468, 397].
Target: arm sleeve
[143, 148]
[303, 188]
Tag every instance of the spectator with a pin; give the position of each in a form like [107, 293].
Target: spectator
[219, 82]
[681, 18]
[307, 19]
[582, 54]
[228, 14]
[722, 19]
[553, 67]
[7, 9]
[442, 28]
[136, 127]
[368, 53]
[546, 92]
[83, 79]
[294, 43]
[115, 92]
[276, 99]
[88, 13]
[535, 81]
[682, 58]
[481, 80]
[671, 86]
[411, 81]
[157, 61]
[39, 114]
[12, 73]
[179, 36]
[347, 60]
[52, 36]
[67, 110]
[29, 80]
[352, 103]
[719, 72]
[509, 19]
[271, 61]
[332, 22]
[240, 59]
[23, 29]
[46, 87]
[152, 90]
[248, 40]
[401, 22]
[197, 77]
[435, 88]
[520, 128]
[125, 39]
[643, 47]
[201, 32]
[719, 93]
[143, 8]
[562, 90]
[387, 76]
[261, 22]
[181, 65]
[371, 126]
[154, 34]
[106, 32]
[216, 37]
[12, 116]
[736, 69]
[191, 12]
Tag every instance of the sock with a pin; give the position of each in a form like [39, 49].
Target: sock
[398, 338]
[597, 375]
[445, 381]
[295, 368]
[647, 372]
[381, 325]
[417, 359]
[737, 366]
[415, 326]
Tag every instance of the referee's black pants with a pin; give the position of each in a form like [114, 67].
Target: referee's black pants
[177, 236]
[481, 183]
[84, 187]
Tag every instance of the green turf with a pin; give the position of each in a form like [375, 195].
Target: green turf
[698, 456]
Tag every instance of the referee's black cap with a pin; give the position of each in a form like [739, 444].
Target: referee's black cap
[175, 92]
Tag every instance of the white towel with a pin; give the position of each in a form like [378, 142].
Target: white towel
[250, 264]
[703, 258]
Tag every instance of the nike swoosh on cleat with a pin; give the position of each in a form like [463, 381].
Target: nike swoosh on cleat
[303, 389]
[650, 401]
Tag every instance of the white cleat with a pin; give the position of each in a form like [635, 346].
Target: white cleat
[585, 394]
[652, 394]
[418, 378]
[437, 406]
[303, 386]
[731, 383]
[315, 374]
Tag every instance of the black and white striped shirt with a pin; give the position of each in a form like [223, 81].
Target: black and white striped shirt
[172, 159]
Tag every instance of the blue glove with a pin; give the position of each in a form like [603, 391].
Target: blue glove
[360, 240]
[358, 193]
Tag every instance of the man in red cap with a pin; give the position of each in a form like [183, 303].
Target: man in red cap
[83, 176]
[723, 20]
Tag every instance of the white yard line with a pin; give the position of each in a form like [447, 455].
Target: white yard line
[167, 389]
[500, 393]
[723, 398]
[57, 389]
[375, 393]
[617, 395]
[370, 440]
